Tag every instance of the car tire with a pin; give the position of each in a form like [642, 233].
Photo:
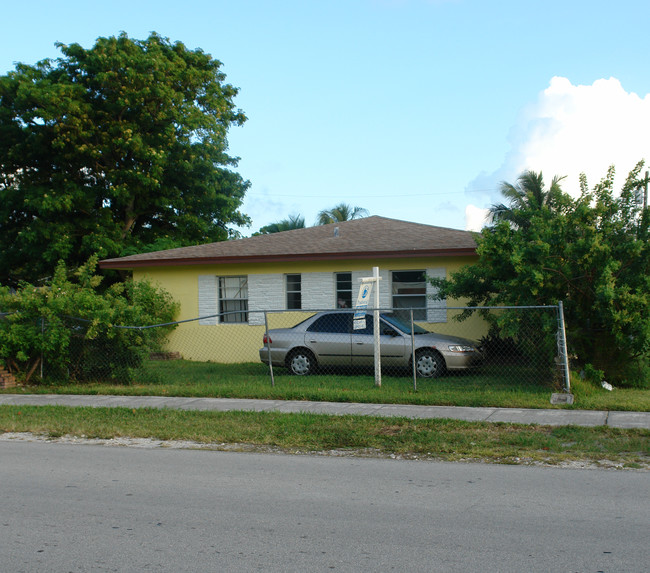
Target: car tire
[429, 364]
[301, 362]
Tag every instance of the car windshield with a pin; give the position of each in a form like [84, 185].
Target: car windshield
[405, 328]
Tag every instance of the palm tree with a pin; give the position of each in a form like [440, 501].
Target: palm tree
[339, 213]
[288, 224]
[526, 195]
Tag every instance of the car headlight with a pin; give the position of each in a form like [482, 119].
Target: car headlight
[461, 348]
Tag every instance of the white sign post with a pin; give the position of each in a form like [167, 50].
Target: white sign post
[359, 320]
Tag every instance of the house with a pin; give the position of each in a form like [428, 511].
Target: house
[228, 283]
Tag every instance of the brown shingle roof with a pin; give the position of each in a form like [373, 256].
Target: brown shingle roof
[361, 238]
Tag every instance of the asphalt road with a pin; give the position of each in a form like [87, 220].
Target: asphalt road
[95, 508]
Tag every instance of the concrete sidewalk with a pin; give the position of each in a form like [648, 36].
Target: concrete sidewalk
[551, 417]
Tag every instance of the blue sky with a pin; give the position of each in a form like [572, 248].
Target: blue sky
[412, 109]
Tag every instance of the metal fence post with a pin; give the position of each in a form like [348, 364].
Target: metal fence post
[415, 383]
[564, 355]
[268, 346]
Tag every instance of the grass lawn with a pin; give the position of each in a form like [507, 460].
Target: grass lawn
[451, 440]
[485, 388]
[354, 435]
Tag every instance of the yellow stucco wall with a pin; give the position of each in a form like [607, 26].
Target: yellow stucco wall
[241, 342]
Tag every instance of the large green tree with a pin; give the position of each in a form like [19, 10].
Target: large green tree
[112, 150]
[592, 253]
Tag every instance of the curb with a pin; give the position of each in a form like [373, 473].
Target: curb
[550, 417]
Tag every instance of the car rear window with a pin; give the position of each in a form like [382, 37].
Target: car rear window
[338, 323]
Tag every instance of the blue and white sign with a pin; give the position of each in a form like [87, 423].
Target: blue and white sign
[359, 319]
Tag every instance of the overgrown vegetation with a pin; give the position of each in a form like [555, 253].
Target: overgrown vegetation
[592, 253]
[70, 324]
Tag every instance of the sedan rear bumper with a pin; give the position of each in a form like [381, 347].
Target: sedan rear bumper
[278, 356]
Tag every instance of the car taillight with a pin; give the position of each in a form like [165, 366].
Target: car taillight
[267, 339]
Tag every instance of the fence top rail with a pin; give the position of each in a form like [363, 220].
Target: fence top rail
[280, 311]
[541, 306]
[390, 309]
[169, 323]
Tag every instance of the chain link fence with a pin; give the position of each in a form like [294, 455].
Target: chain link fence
[522, 345]
[71, 349]
[498, 346]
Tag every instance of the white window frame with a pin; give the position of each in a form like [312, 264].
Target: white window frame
[293, 291]
[230, 316]
[337, 291]
[421, 310]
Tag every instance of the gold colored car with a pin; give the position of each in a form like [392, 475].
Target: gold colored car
[329, 339]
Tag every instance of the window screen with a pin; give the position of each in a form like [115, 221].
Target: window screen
[294, 292]
[233, 299]
[344, 290]
[409, 289]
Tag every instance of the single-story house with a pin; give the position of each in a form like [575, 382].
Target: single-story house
[228, 283]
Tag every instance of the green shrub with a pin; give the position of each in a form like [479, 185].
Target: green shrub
[75, 329]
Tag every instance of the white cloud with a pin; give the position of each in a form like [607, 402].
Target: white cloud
[576, 129]
[475, 218]
[571, 130]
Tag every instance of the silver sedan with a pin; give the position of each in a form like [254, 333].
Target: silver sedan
[329, 339]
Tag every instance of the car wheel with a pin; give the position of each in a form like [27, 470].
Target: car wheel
[429, 364]
[301, 362]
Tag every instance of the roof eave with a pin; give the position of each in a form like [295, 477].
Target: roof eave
[252, 259]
